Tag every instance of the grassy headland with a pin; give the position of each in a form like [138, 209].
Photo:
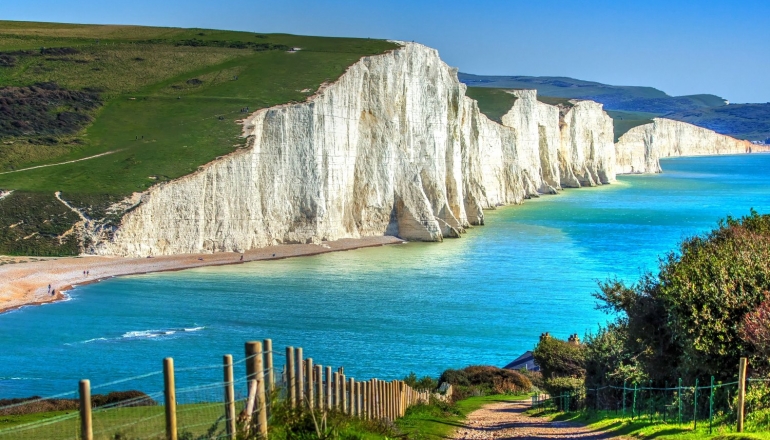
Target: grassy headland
[160, 101]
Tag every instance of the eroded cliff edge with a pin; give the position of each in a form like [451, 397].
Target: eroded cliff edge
[393, 147]
[641, 148]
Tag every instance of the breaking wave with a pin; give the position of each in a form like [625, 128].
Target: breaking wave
[144, 334]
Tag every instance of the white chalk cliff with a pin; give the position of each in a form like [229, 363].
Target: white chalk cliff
[641, 148]
[394, 147]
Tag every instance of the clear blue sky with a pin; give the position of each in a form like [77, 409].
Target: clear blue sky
[680, 47]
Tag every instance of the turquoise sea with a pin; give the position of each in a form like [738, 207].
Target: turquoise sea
[383, 312]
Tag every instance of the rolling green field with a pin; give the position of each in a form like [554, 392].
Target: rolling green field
[160, 102]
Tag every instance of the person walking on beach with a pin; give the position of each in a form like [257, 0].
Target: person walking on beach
[53, 292]
[241, 257]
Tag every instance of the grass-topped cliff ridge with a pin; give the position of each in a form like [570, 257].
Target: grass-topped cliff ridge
[107, 111]
[631, 106]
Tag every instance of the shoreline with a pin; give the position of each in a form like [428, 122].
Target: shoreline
[26, 284]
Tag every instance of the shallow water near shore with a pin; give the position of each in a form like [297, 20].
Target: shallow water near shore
[383, 312]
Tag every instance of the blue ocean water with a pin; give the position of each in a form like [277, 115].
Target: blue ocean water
[383, 312]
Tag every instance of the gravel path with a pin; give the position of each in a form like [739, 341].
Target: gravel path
[506, 420]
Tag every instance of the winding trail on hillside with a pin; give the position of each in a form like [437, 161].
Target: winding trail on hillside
[506, 420]
[61, 163]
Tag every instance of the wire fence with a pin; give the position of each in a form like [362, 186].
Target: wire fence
[711, 407]
[173, 401]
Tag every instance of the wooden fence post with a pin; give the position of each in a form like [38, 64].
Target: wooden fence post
[343, 393]
[291, 390]
[319, 377]
[741, 392]
[229, 397]
[86, 422]
[352, 400]
[170, 398]
[373, 398]
[360, 408]
[310, 385]
[328, 403]
[259, 375]
[367, 400]
[300, 376]
[337, 389]
[269, 369]
[364, 400]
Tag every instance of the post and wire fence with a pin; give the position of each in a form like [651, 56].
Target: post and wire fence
[174, 404]
[709, 406]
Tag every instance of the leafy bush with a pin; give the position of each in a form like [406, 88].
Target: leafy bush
[687, 321]
[481, 380]
[558, 358]
[607, 361]
[424, 383]
[535, 377]
[559, 386]
[755, 328]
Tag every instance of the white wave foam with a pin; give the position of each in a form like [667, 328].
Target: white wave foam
[142, 334]
[147, 334]
[157, 333]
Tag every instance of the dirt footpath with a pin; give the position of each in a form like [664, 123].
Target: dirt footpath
[504, 420]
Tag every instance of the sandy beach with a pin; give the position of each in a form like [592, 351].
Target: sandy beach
[26, 281]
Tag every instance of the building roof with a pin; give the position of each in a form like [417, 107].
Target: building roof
[526, 360]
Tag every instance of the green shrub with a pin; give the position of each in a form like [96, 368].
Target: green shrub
[424, 383]
[535, 378]
[558, 358]
[558, 387]
[479, 380]
[687, 321]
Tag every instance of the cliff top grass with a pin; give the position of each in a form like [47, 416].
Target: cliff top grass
[493, 103]
[624, 121]
[170, 97]
[151, 104]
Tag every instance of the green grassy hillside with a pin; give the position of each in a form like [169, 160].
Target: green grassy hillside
[159, 101]
[746, 121]
[493, 103]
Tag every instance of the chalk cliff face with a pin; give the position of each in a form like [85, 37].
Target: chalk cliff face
[639, 150]
[587, 153]
[570, 150]
[392, 147]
